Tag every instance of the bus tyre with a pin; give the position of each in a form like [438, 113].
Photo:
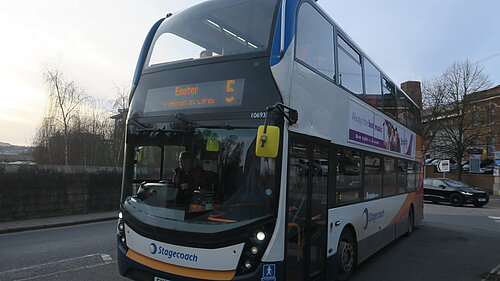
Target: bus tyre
[456, 200]
[346, 255]
[411, 222]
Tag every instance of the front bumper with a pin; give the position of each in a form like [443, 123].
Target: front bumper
[478, 198]
[135, 270]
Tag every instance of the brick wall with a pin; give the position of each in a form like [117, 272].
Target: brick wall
[33, 191]
[475, 180]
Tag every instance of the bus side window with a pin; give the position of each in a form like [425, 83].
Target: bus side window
[315, 41]
[348, 176]
[373, 86]
[350, 72]
[389, 176]
[373, 177]
[389, 97]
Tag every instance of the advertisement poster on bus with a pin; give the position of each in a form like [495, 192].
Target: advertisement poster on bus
[369, 128]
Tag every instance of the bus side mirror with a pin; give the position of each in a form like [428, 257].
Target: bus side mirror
[267, 144]
[139, 150]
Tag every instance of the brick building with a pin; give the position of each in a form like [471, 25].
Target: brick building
[486, 116]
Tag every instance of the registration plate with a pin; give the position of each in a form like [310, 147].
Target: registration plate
[481, 199]
[161, 279]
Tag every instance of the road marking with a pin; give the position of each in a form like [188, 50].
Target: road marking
[64, 271]
[496, 219]
[493, 271]
[50, 263]
[106, 257]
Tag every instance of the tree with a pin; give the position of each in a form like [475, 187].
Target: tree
[64, 98]
[120, 104]
[458, 123]
[77, 128]
[433, 93]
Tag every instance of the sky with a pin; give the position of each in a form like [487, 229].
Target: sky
[97, 43]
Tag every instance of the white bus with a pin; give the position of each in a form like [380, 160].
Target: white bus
[263, 144]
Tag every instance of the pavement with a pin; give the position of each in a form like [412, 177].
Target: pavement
[32, 224]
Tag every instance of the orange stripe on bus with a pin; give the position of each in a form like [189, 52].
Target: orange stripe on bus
[220, 220]
[405, 207]
[180, 270]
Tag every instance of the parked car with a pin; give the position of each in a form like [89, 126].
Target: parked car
[321, 167]
[429, 161]
[465, 165]
[434, 162]
[455, 192]
[487, 169]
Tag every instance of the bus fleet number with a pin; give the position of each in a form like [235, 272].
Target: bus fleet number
[258, 115]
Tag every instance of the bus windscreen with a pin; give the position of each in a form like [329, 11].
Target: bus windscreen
[212, 29]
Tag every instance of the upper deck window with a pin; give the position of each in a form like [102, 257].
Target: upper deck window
[214, 28]
[373, 85]
[403, 109]
[315, 40]
[389, 98]
[350, 73]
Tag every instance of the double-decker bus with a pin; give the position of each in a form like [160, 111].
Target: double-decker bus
[263, 144]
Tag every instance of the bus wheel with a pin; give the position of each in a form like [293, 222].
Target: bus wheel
[346, 255]
[411, 222]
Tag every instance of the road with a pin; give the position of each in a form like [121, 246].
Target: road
[452, 244]
[83, 252]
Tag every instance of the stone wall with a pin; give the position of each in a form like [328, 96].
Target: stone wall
[33, 191]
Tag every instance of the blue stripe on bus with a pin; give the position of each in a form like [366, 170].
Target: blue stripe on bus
[290, 21]
[144, 52]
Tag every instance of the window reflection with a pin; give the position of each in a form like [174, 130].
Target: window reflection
[389, 176]
[315, 40]
[373, 177]
[348, 175]
[350, 73]
[215, 177]
[373, 85]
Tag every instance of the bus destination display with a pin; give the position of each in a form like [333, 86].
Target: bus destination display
[200, 95]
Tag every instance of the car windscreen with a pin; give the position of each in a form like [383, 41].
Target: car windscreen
[454, 183]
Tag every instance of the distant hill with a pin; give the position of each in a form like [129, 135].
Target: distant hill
[5, 144]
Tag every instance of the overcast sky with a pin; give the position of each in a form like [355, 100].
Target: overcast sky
[97, 43]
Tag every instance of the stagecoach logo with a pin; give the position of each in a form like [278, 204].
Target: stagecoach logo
[153, 249]
[371, 217]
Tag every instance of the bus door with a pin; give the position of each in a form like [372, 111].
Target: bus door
[306, 209]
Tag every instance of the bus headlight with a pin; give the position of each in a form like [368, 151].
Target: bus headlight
[261, 236]
[248, 264]
[255, 246]
[254, 250]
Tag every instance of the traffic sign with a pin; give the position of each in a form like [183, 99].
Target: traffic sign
[444, 166]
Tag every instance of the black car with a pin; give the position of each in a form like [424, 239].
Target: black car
[455, 192]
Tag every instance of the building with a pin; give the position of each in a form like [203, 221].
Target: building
[482, 121]
[484, 106]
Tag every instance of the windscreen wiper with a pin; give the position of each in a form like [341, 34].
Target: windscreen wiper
[182, 117]
[137, 123]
